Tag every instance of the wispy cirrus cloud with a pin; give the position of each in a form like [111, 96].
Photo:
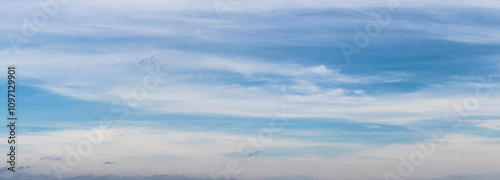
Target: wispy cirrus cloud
[220, 80]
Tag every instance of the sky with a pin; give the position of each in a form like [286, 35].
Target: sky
[258, 90]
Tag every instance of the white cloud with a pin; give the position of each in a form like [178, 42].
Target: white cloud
[197, 83]
[489, 124]
[135, 154]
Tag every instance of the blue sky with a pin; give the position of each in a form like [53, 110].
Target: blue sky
[219, 82]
